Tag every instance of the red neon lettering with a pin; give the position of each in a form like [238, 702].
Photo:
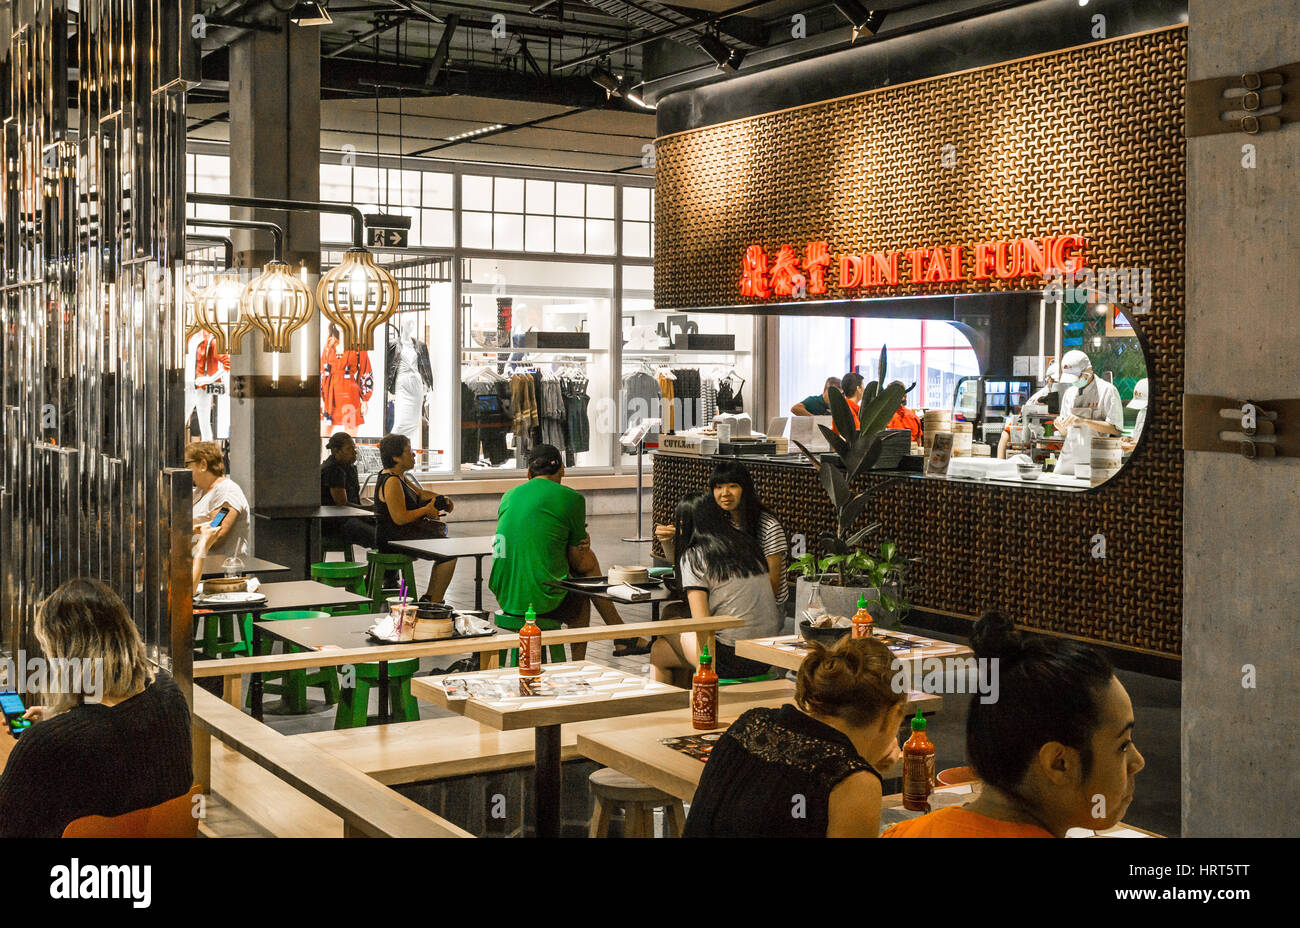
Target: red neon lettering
[785, 271]
[916, 259]
[753, 273]
[850, 272]
[954, 263]
[936, 269]
[816, 259]
[1068, 248]
[1002, 268]
[1033, 258]
[884, 269]
[985, 255]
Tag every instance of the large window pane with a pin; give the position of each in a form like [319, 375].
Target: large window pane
[335, 229]
[475, 192]
[509, 235]
[437, 190]
[476, 230]
[336, 183]
[636, 239]
[541, 197]
[570, 235]
[636, 203]
[570, 199]
[539, 233]
[600, 237]
[436, 228]
[403, 192]
[600, 201]
[509, 195]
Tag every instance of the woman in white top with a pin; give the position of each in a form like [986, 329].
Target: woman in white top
[217, 491]
[723, 572]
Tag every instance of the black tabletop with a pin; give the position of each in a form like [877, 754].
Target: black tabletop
[448, 547]
[213, 565]
[293, 594]
[312, 512]
[658, 594]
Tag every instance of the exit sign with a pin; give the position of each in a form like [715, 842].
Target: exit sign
[387, 238]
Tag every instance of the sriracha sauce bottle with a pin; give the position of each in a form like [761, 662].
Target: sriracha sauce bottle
[530, 646]
[704, 694]
[918, 767]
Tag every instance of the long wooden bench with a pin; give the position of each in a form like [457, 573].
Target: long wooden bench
[367, 808]
[435, 749]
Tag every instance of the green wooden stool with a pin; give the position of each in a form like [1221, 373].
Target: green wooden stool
[512, 623]
[217, 638]
[380, 564]
[345, 575]
[354, 702]
[292, 685]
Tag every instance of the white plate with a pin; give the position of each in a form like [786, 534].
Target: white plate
[217, 598]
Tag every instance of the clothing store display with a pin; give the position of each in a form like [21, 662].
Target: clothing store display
[346, 381]
[210, 371]
[729, 398]
[708, 401]
[575, 412]
[523, 408]
[686, 395]
[641, 392]
[408, 377]
[485, 418]
[667, 397]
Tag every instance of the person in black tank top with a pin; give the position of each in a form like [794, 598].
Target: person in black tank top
[399, 507]
[802, 771]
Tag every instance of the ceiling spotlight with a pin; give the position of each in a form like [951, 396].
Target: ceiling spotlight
[606, 80]
[723, 55]
[310, 13]
[481, 130]
[634, 96]
[865, 22]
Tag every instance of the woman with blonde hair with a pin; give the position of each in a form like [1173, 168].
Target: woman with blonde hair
[115, 736]
[811, 770]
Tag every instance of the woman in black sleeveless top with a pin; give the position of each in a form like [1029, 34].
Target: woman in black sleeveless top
[802, 772]
[399, 507]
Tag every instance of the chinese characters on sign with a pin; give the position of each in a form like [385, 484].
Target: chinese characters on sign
[790, 275]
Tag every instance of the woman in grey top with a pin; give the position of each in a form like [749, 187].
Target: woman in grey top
[723, 572]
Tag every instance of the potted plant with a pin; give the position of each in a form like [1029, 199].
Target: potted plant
[846, 569]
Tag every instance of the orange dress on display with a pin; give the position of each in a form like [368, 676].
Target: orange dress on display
[346, 381]
[206, 360]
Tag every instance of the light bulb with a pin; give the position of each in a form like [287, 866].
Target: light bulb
[277, 303]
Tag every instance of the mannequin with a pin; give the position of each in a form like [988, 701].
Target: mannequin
[209, 372]
[346, 384]
[409, 377]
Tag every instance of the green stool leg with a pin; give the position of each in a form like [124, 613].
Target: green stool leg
[353, 703]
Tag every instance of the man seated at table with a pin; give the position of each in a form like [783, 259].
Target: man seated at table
[817, 405]
[904, 418]
[542, 539]
[340, 486]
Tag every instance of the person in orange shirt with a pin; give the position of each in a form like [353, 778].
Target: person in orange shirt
[852, 386]
[904, 418]
[1054, 748]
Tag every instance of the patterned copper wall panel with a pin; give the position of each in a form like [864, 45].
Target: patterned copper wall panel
[1086, 141]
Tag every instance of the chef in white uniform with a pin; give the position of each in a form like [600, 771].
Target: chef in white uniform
[1014, 430]
[1139, 402]
[1091, 406]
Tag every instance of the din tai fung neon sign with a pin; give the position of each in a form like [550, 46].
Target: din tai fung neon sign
[790, 273]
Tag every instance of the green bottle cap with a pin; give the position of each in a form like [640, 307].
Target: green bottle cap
[705, 657]
[862, 601]
[918, 721]
[530, 615]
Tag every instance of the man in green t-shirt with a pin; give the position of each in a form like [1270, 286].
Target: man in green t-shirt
[542, 538]
[817, 405]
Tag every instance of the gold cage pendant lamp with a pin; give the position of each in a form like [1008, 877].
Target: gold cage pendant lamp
[358, 296]
[277, 303]
[219, 311]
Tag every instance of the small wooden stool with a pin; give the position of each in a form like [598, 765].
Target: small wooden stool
[614, 791]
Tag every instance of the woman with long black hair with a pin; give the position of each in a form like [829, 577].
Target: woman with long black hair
[722, 570]
[731, 489]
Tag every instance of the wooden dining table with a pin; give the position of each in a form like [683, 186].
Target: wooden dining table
[578, 691]
[475, 546]
[788, 651]
[214, 565]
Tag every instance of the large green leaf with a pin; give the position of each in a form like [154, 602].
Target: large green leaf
[861, 534]
[808, 454]
[837, 442]
[841, 415]
[837, 488]
[832, 543]
[876, 416]
[884, 365]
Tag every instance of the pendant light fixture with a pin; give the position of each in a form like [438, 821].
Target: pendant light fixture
[219, 310]
[277, 303]
[188, 300]
[358, 296]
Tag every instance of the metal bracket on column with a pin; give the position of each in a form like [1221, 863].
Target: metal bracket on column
[249, 386]
[1252, 429]
[1236, 104]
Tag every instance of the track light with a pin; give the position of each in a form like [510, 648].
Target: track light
[310, 13]
[634, 96]
[723, 55]
[865, 22]
[605, 79]
[481, 130]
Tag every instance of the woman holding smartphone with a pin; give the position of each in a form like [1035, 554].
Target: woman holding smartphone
[218, 493]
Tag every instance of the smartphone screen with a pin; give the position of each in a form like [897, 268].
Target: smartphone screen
[11, 704]
[219, 518]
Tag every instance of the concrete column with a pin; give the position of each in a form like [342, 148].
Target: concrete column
[275, 152]
[1241, 519]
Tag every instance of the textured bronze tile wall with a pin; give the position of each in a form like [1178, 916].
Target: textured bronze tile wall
[1088, 141]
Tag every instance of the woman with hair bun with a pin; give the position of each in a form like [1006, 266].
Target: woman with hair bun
[810, 770]
[1055, 750]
